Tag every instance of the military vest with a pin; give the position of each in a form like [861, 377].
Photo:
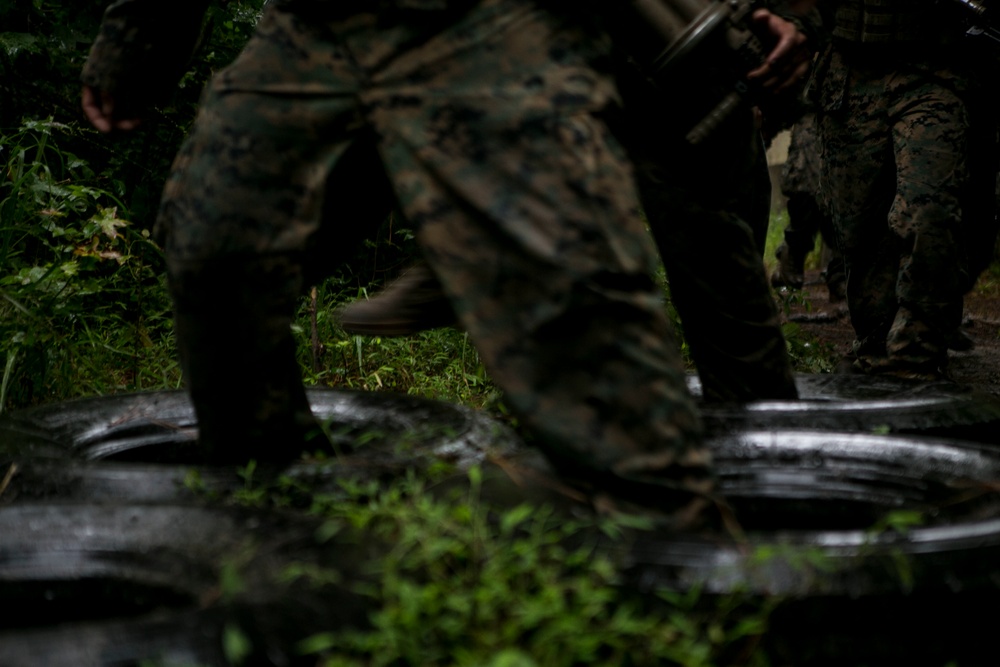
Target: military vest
[884, 21]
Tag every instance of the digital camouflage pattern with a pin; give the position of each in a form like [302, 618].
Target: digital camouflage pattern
[895, 127]
[483, 126]
[800, 173]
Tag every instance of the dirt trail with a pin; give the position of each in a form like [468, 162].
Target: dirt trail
[980, 367]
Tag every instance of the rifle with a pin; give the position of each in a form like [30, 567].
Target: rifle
[978, 18]
[716, 34]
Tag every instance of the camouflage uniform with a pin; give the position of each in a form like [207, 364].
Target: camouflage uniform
[481, 119]
[894, 118]
[708, 208]
[807, 217]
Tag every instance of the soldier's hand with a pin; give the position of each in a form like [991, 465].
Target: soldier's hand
[99, 107]
[788, 61]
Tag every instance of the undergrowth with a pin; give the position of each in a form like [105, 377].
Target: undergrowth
[462, 581]
[83, 306]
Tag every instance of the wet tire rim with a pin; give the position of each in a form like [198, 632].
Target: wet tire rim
[143, 447]
[818, 507]
[814, 490]
[101, 585]
[862, 403]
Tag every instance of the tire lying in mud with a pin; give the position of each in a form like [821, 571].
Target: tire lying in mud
[837, 493]
[142, 447]
[99, 585]
[867, 404]
[160, 427]
[816, 508]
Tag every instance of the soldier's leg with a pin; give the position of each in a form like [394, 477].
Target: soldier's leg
[718, 285]
[729, 317]
[694, 199]
[833, 273]
[858, 178]
[239, 222]
[799, 240]
[930, 138]
[525, 210]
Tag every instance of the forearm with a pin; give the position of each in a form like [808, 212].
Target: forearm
[143, 44]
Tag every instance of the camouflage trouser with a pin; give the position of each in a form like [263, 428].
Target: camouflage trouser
[708, 209]
[481, 125]
[800, 183]
[893, 171]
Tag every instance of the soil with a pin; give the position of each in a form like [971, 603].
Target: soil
[979, 368]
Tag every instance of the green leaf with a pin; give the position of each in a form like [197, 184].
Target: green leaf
[235, 644]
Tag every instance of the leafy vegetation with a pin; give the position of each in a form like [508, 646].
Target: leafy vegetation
[465, 582]
[83, 307]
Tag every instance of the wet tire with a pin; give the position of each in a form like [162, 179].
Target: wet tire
[825, 536]
[96, 586]
[161, 427]
[143, 447]
[829, 491]
[851, 589]
[813, 505]
[865, 404]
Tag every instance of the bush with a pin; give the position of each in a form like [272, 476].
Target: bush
[83, 308]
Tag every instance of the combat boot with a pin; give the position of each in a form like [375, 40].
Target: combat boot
[959, 341]
[790, 271]
[412, 303]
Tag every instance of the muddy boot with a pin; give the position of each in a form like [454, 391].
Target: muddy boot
[959, 341]
[790, 272]
[414, 302]
[836, 289]
[915, 349]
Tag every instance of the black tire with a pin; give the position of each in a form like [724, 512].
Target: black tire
[96, 586]
[826, 491]
[826, 475]
[160, 426]
[849, 589]
[142, 447]
[865, 404]
[810, 497]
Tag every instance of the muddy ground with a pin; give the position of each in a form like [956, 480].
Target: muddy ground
[980, 367]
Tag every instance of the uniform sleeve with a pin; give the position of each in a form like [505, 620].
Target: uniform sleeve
[143, 46]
